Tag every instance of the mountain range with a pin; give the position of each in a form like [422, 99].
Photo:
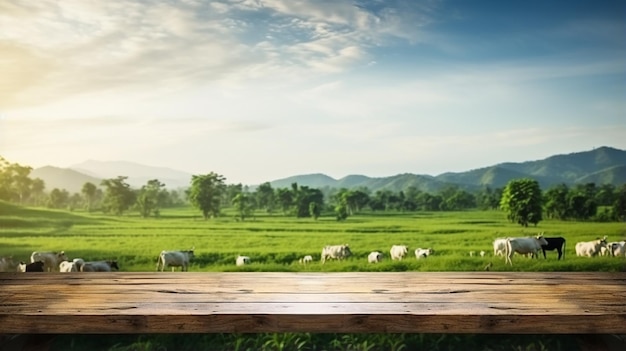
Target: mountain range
[603, 165]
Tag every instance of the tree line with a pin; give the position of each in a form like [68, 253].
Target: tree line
[522, 199]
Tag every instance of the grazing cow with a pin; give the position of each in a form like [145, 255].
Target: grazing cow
[374, 257]
[556, 243]
[471, 253]
[336, 252]
[397, 252]
[499, 246]
[482, 253]
[523, 246]
[618, 249]
[590, 248]
[6, 264]
[174, 259]
[242, 260]
[99, 266]
[37, 266]
[306, 259]
[50, 260]
[74, 266]
[423, 253]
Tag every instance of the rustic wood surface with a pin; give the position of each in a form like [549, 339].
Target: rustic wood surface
[406, 302]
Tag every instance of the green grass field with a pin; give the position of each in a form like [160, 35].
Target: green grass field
[275, 243]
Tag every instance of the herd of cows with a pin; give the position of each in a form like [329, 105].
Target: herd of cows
[505, 247]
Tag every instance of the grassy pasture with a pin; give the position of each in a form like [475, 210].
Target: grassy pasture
[275, 243]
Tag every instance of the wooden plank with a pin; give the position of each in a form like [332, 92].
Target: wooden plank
[411, 302]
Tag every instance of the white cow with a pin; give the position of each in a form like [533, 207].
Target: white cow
[482, 253]
[374, 257]
[242, 260]
[590, 248]
[499, 246]
[336, 252]
[523, 246]
[423, 253]
[397, 252]
[74, 266]
[174, 259]
[618, 249]
[306, 259]
[99, 266]
[7, 264]
[50, 260]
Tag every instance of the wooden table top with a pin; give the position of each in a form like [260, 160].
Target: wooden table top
[398, 302]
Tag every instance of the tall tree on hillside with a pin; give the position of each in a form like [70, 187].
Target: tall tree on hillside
[58, 198]
[150, 198]
[89, 192]
[206, 193]
[37, 188]
[118, 196]
[522, 201]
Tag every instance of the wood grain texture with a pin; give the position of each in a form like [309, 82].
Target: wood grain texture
[406, 302]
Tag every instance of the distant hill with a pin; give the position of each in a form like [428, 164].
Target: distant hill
[604, 165]
[63, 178]
[138, 174]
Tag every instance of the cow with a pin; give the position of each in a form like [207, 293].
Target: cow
[306, 259]
[174, 259]
[37, 266]
[482, 253]
[499, 246]
[590, 248]
[618, 249]
[74, 266]
[6, 264]
[423, 253]
[524, 246]
[336, 252]
[397, 252]
[50, 260]
[242, 260]
[471, 253]
[99, 266]
[555, 243]
[374, 257]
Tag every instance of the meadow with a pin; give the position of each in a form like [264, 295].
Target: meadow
[276, 242]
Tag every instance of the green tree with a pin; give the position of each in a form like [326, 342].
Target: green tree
[266, 197]
[619, 205]
[522, 201]
[206, 193]
[15, 185]
[150, 198]
[118, 196]
[285, 199]
[244, 206]
[315, 210]
[58, 198]
[37, 188]
[556, 202]
[89, 191]
[304, 196]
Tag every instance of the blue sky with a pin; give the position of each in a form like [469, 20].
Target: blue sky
[262, 90]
